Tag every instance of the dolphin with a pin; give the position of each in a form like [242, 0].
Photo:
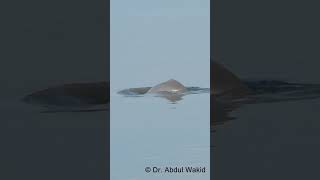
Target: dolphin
[170, 86]
[97, 93]
[227, 92]
[171, 90]
[222, 82]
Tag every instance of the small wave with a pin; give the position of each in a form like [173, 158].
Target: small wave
[171, 96]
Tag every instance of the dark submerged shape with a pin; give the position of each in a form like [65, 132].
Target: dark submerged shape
[71, 95]
[223, 82]
[229, 93]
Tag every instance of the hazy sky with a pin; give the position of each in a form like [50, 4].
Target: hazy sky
[156, 40]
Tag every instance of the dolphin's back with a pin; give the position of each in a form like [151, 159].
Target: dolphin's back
[171, 86]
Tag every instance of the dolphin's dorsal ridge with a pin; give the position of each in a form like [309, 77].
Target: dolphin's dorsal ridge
[172, 80]
[172, 86]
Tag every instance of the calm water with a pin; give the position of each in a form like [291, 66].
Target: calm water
[151, 131]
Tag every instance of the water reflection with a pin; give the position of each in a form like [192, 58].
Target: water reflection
[172, 97]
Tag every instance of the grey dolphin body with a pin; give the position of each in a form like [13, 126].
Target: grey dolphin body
[171, 90]
[170, 86]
